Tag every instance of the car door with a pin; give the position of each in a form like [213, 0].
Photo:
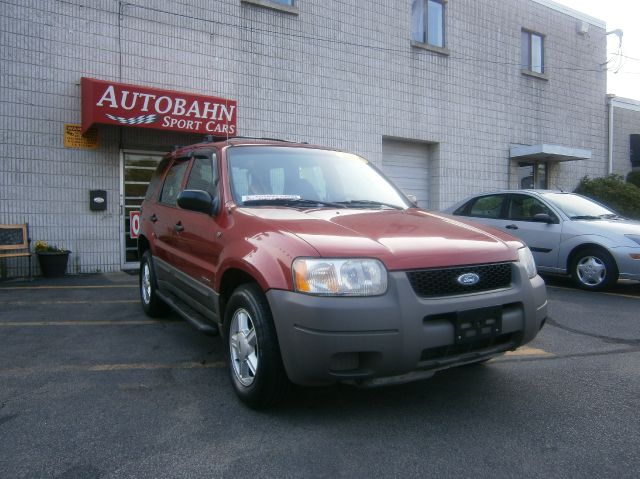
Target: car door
[486, 209]
[542, 237]
[165, 217]
[197, 244]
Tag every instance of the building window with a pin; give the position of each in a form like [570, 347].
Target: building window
[427, 22]
[532, 52]
[533, 175]
[287, 6]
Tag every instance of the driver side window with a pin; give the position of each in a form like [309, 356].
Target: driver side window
[524, 208]
[172, 183]
[202, 176]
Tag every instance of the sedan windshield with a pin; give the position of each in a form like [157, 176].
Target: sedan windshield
[578, 207]
[308, 178]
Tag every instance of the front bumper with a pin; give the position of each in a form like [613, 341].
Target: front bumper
[628, 267]
[324, 340]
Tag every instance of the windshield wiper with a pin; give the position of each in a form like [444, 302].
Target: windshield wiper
[612, 216]
[291, 202]
[368, 203]
[585, 217]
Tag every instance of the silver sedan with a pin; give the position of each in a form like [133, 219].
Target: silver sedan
[567, 233]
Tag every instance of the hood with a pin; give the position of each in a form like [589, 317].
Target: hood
[609, 227]
[408, 239]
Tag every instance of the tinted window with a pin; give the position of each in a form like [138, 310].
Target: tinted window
[487, 206]
[172, 183]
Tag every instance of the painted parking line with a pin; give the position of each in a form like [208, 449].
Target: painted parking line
[86, 286]
[70, 368]
[20, 324]
[527, 351]
[27, 303]
[104, 286]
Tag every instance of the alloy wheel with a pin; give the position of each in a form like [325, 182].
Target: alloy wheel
[243, 347]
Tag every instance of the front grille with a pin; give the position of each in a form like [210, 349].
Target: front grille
[443, 282]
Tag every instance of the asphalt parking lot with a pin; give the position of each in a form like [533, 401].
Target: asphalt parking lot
[91, 388]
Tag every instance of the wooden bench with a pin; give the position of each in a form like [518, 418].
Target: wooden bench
[15, 242]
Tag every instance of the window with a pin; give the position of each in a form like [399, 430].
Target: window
[202, 176]
[532, 175]
[532, 52]
[172, 183]
[487, 206]
[287, 6]
[427, 22]
[524, 208]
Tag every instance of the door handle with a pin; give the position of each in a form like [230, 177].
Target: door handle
[153, 218]
[512, 227]
[178, 226]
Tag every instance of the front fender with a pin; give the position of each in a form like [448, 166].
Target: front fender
[266, 257]
[583, 240]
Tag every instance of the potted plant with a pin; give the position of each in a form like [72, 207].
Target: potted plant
[52, 259]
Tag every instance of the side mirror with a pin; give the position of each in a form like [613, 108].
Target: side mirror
[543, 218]
[197, 200]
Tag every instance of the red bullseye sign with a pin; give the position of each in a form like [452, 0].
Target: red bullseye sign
[134, 224]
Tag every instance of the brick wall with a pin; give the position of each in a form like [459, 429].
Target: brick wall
[339, 73]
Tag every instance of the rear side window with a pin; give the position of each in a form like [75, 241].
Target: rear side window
[172, 183]
[487, 206]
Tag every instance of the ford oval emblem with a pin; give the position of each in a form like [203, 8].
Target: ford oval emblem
[468, 279]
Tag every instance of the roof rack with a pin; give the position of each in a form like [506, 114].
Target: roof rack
[211, 138]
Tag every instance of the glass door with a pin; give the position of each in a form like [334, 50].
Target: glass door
[136, 171]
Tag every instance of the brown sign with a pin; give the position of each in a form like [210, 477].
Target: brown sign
[142, 107]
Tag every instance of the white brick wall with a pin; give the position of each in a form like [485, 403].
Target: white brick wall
[626, 121]
[339, 73]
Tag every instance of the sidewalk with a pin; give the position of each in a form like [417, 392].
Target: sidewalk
[73, 280]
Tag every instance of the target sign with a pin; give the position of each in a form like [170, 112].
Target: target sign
[134, 224]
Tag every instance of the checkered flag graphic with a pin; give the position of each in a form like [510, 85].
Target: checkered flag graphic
[136, 120]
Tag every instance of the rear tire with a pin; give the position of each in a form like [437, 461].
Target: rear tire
[594, 269]
[255, 364]
[152, 305]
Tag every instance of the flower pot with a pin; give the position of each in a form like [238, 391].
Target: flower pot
[53, 264]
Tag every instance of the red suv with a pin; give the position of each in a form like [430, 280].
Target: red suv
[316, 269]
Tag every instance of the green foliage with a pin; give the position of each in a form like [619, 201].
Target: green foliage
[634, 178]
[613, 192]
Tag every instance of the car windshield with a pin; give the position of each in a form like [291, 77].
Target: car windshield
[308, 178]
[578, 207]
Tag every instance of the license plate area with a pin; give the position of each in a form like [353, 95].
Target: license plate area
[477, 324]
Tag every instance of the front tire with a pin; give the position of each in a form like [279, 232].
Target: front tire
[255, 364]
[152, 305]
[594, 269]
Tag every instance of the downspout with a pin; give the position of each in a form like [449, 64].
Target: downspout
[611, 97]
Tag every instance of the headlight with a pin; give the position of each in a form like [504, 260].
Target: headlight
[526, 258]
[635, 238]
[339, 277]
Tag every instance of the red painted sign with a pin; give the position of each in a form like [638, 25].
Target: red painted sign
[113, 103]
[134, 224]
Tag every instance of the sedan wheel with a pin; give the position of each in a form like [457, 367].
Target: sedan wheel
[594, 269]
